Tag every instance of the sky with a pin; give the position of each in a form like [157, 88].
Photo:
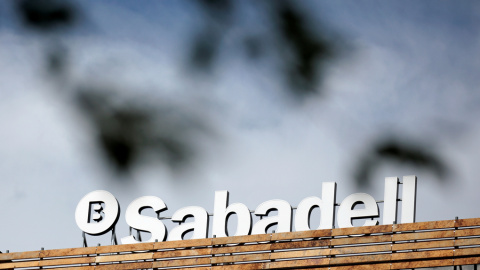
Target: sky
[409, 70]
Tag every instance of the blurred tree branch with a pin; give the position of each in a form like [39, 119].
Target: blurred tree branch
[126, 131]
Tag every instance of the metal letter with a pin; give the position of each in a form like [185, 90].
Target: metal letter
[346, 212]
[409, 197]
[221, 213]
[144, 223]
[283, 220]
[390, 200]
[101, 224]
[199, 226]
[326, 205]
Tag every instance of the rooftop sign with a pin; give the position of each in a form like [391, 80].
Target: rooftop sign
[98, 212]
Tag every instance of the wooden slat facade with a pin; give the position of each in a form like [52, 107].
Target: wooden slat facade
[398, 246]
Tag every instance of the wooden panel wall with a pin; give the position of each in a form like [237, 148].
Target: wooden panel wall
[402, 246]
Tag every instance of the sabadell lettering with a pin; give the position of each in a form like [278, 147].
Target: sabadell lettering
[98, 212]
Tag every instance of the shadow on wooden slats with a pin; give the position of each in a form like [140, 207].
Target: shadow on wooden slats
[300, 244]
[242, 239]
[301, 235]
[183, 243]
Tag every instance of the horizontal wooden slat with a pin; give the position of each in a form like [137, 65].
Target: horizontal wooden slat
[183, 243]
[360, 259]
[79, 260]
[429, 225]
[8, 265]
[124, 248]
[423, 235]
[467, 232]
[467, 251]
[360, 240]
[181, 262]
[20, 264]
[243, 266]
[298, 263]
[19, 255]
[361, 249]
[378, 266]
[467, 222]
[300, 244]
[422, 264]
[362, 230]
[467, 242]
[417, 245]
[241, 258]
[466, 261]
[67, 252]
[422, 254]
[91, 267]
[124, 266]
[423, 244]
[125, 257]
[300, 253]
[301, 235]
[242, 239]
[182, 253]
[242, 248]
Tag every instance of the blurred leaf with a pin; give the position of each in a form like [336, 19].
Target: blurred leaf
[206, 44]
[307, 51]
[126, 131]
[204, 50]
[404, 152]
[46, 15]
[253, 47]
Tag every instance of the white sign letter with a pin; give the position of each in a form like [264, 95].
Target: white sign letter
[326, 205]
[144, 223]
[409, 195]
[101, 224]
[221, 213]
[199, 226]
[283, 219]
[346, 212]
[390, 200]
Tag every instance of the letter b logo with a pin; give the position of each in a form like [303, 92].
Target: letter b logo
[97, 223]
